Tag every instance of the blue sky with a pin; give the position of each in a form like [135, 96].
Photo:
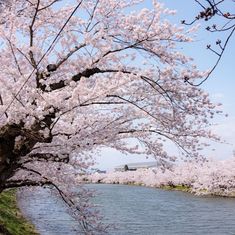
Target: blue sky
[220, 85]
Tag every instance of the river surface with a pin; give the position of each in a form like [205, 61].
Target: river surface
[136, 211]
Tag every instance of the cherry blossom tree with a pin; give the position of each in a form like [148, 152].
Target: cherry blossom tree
[78, 76]
[219, 18]
[213, 177]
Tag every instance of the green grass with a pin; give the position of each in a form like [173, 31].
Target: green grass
[176, 187]
[11, 220]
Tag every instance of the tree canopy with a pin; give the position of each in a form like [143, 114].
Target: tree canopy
[91, 74]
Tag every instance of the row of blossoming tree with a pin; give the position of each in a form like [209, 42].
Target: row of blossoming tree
[77, 76]
[212, 177]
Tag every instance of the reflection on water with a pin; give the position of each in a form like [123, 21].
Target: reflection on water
[138, 210]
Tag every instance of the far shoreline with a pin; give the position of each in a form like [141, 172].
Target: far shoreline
[180, 188]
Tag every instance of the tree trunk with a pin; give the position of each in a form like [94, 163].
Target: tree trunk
[8, 156]
[7, 159]
[11, 150]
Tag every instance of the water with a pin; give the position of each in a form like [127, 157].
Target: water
[47, 212]
[138, 211]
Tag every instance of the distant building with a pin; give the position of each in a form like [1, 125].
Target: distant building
[101, 171]
[95, 170]
[135, 166]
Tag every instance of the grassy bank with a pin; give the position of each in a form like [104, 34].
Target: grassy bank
[182, 188]
[11, 220]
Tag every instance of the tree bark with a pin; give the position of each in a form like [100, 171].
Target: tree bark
[11, 150]
[7, 159]
[7, 156]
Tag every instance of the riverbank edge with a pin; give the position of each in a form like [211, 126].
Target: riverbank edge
[12, 222]
[180, 187]
[203, 192]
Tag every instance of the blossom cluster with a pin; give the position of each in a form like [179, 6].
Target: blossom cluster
[214, 177]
